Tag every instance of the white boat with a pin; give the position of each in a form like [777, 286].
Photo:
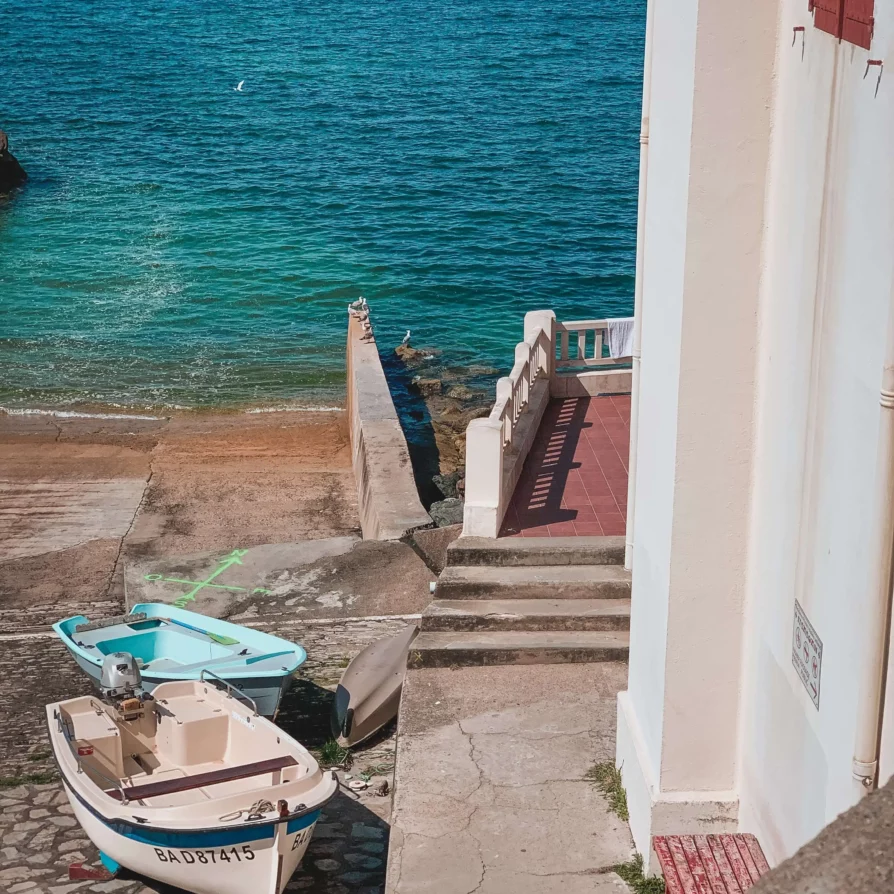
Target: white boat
[189, 786]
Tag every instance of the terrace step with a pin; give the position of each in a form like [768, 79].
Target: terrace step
[533, 581]
[464, 649]
[526, 614]
[536, 551]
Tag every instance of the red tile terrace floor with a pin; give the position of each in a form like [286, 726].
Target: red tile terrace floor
[574, 482]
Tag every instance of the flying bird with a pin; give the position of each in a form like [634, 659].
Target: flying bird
[238, 87]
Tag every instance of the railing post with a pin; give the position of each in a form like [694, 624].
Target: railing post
[482, 514]
[536, 320]
[504, 393]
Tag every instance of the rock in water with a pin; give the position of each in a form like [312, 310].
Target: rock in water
[426, 386]
[447, 512]
[12, 174]
[408, 354]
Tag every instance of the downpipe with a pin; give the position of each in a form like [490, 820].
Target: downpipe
[638, 287]
[878, 614]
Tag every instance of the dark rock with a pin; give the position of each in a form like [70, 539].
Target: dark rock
[427, 386]
[447, 512]
[477, 413]
[12, 174]
[408, 354]
[446, 484]
[461, 392]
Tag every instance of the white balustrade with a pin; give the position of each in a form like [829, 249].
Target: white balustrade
[590, 350]
[496, 446]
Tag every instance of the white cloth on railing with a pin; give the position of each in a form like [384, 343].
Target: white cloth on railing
[620, 337]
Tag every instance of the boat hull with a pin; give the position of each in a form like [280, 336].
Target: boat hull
[173, 644]
[258, 858]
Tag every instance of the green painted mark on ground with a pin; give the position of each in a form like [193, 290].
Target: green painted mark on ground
[234, 558]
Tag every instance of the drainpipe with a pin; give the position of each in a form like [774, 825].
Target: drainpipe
[878, 613]
[638, 287]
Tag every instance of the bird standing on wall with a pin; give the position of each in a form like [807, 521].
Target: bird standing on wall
[406, 341]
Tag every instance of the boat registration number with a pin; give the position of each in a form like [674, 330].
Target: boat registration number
[206, 856]
[302, 837]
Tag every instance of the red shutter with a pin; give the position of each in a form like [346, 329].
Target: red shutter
[827, 15]
[857, 22]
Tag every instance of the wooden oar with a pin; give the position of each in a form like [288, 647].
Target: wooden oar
[215, 637]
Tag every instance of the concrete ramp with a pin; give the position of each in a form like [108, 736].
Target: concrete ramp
[490, 788]
[45, 516]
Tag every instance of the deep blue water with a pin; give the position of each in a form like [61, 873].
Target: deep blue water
[181, 243]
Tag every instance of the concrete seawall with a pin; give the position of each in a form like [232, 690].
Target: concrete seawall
[387, 498]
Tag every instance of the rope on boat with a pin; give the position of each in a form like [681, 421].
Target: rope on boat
[255, 812]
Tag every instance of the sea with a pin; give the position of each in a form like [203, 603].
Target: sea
[184, 244]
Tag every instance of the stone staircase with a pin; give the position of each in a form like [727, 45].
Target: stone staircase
[537, 600]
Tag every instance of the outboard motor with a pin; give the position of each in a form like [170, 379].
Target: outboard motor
[121, 684]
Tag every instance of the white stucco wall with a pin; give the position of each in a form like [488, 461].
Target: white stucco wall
[678, 720]
[673, 62]
[770, 182]
[825, 298]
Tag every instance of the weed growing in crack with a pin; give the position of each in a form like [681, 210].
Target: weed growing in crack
[331, 754]
[632, 873]
[607, 778]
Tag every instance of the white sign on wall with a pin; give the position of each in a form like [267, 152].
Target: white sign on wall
[807, 654]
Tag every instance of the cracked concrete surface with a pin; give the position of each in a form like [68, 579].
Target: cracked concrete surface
[490, 795]
[330, 577]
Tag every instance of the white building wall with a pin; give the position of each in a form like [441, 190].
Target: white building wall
[709, 140]
[673, 62]
[768, 292]
[825, 300]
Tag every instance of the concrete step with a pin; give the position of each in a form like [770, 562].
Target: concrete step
[431, 649]
[534, 581]
[526, 614]
[536, 551]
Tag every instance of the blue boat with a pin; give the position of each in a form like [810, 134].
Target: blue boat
[172, 644]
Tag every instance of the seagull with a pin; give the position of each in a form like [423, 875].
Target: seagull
[406, 341]
[238, 87]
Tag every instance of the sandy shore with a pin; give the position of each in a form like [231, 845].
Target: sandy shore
[80, 496]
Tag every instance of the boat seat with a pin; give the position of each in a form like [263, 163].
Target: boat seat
[199, 780]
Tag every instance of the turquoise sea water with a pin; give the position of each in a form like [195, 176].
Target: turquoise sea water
[184, 244]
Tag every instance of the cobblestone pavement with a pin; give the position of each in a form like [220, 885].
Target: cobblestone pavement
[40, 837]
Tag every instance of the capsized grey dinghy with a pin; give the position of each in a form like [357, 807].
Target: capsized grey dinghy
[189, 785]
[368, 694]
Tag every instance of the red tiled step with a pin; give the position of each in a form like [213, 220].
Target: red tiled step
[709, 864]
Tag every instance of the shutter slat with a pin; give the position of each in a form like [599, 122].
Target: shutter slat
[827, 16]
[857, 22]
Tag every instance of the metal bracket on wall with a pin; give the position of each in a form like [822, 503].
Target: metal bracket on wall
[869, 64]
[795, 30]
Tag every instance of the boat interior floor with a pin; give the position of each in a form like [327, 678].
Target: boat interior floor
[162, 645]
[184, 749]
